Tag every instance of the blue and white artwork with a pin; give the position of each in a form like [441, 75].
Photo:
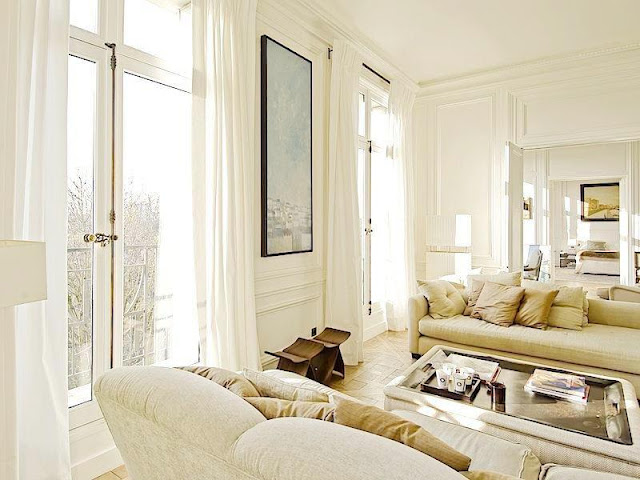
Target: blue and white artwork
[287, 225]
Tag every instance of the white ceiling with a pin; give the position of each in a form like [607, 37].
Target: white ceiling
[437, 39]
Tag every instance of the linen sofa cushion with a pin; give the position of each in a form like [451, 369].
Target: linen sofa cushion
[487, 453]
[444, 299]
[620, 314]
[535, 307]
[298, 381]
[619, 352]
[559, 472]
[269, 386]
[230, 380]
[498, 304]
[476, 282]
[302, 448]
[380, 422]
[276, 407]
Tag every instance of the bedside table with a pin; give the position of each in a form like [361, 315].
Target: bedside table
[567, 259]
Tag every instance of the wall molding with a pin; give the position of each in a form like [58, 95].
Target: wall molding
[288, 304]
[589, 59]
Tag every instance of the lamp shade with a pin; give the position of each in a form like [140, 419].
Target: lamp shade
[23, 272]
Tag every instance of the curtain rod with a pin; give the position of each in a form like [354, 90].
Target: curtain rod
[384, 79]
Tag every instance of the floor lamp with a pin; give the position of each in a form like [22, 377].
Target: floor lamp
[23, 273]
[448, 249]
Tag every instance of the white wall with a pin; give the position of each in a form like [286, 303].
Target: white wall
[290, 289]
[461, 127]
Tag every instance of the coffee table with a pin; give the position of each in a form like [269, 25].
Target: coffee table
[557, 431]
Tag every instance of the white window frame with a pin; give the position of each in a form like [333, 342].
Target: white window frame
[91, 46]
[376, 90]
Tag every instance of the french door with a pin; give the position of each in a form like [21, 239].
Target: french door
[373, 124]
[131, 291]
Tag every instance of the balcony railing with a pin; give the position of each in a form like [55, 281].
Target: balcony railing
[146, 318]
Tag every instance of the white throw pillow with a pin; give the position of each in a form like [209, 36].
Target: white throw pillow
[445, 300]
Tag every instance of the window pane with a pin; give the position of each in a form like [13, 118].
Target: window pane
[361, 115]
[379, 224]
[379, 123]
[161, 29]
[81, 116]
[361, 209]
[160, 324]
[84, 14]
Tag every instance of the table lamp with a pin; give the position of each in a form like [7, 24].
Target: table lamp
[448, 246]
[23, 272]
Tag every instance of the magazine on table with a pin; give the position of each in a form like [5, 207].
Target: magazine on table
[559, 385]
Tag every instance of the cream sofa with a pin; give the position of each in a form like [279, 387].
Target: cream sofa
[608, 345]
[172, 424]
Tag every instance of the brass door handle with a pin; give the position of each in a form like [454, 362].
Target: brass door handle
[101, 239]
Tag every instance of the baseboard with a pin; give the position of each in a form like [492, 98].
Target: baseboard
[375, 329]
[98, 465]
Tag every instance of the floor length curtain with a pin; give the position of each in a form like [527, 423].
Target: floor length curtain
[344, 257]
[401, 274]
[34, 430]
[223, 151]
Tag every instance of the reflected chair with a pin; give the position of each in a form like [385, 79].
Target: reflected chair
[534, 262]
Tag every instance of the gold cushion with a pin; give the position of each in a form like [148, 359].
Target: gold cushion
[535, 307]
[567, 309]
[498, 304]
[484, 475]
[385, 424]
[268, 386]
[560, 299]
[230, 380]
[445, 300]
[276, 407]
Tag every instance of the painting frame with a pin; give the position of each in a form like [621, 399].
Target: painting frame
[584, 195]
[266, 251]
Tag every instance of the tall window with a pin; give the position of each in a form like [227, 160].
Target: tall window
[373, 131]
[152, 294]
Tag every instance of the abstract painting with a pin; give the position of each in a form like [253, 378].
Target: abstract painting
[600, 202]
[287, 216]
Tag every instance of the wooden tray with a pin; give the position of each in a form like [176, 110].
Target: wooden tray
[430, 385]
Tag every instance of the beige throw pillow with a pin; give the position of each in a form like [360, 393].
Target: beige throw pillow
[385, 424]
[535, 307]
[230, 380]
[570, 307]
[276, 407]
[445, 300]
[268, 386]
[485, 475]
[476, 282]
[567, 309]
[498, 304]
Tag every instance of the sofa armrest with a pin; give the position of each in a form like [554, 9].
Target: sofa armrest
[418, 308]
[623, 293]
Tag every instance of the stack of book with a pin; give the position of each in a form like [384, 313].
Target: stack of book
[558, 385]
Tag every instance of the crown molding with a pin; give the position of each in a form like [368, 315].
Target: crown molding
[614, 55]
[325, 26]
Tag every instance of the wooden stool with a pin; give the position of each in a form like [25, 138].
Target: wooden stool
[330, 359]
[316, 358]
[297, 357]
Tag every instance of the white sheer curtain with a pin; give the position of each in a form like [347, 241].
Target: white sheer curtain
[343, 307]
[401, 275]
[224, 44]
[34, 431]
